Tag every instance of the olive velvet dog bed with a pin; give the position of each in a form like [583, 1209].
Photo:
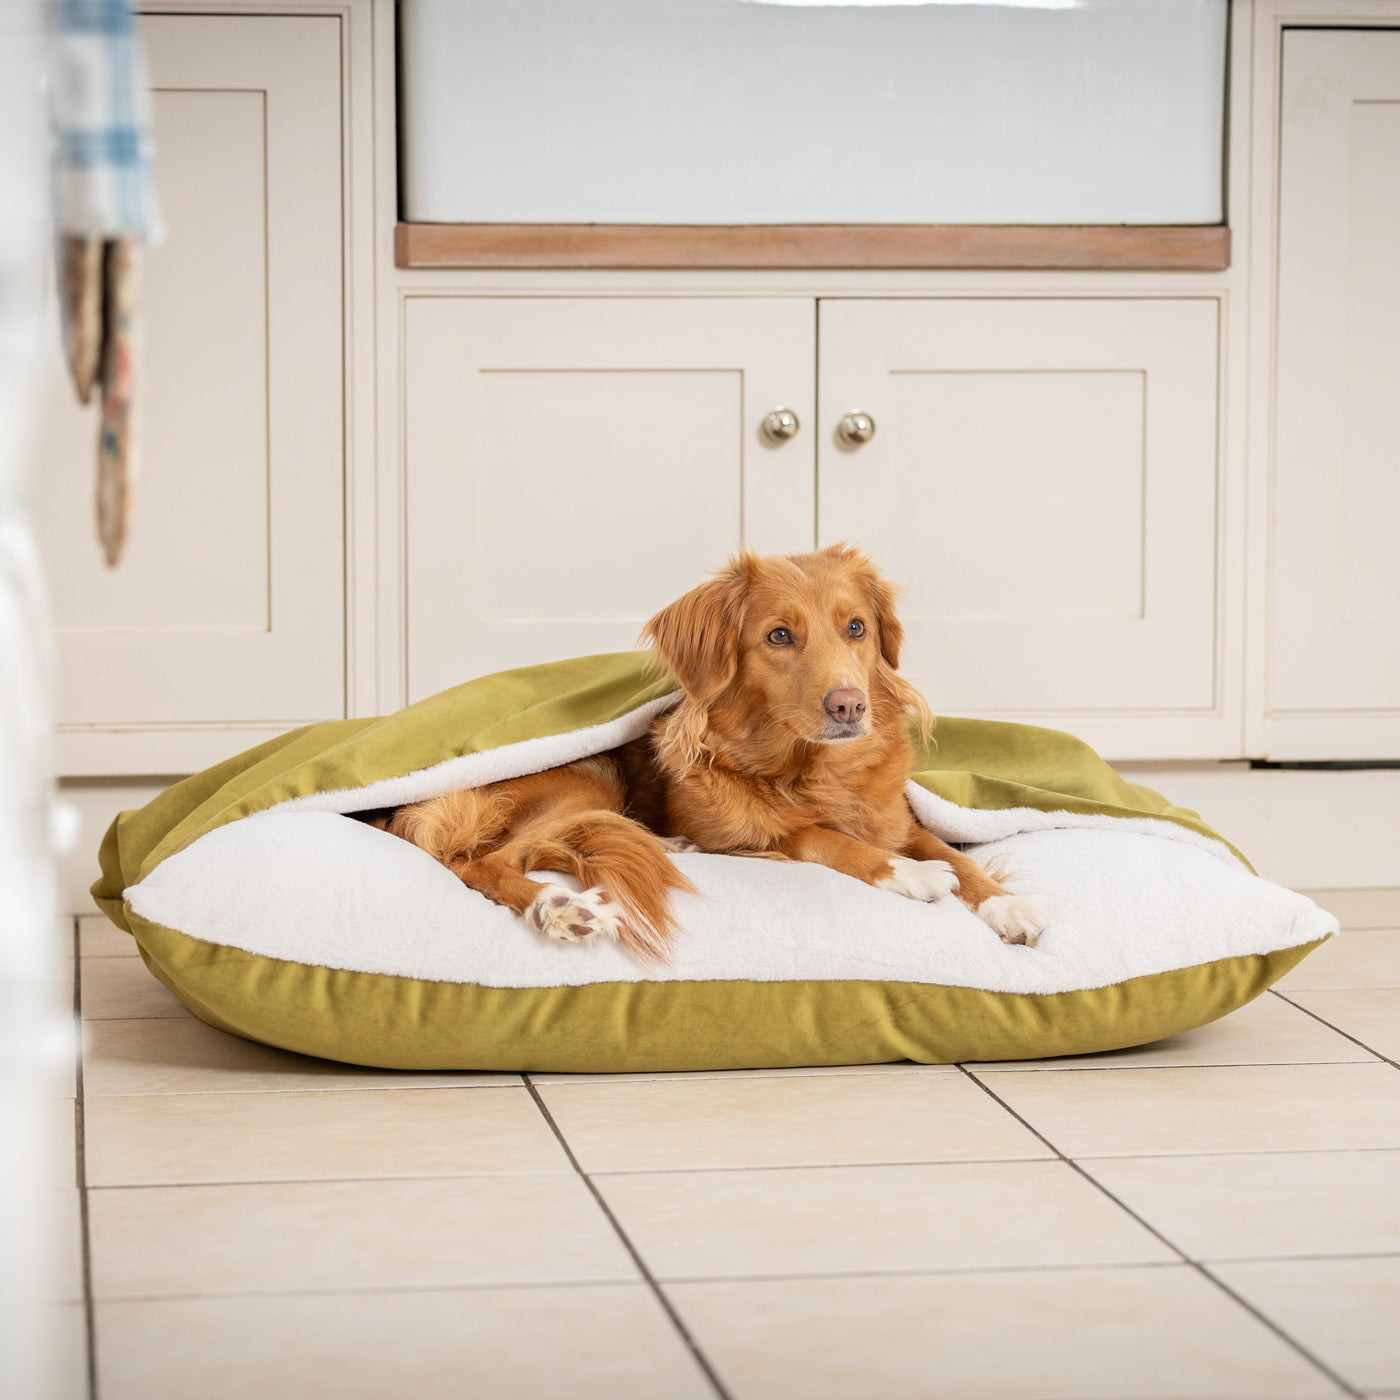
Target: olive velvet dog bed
[273, 914]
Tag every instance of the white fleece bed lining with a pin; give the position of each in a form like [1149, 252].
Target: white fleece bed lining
[316, 888]
[1124, 898]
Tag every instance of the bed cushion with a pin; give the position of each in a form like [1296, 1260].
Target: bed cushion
[273, 914]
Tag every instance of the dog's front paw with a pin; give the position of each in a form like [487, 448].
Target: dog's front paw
[1014, 918]
[919, 879]
[568, 917]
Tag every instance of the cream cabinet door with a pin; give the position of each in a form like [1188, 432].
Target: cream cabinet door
[1042, 480]
[1334, 576]
[573, 465]
[227, 611]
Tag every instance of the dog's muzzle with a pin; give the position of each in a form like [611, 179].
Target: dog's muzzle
[834, 732]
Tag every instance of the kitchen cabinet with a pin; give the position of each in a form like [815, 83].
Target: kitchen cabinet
[1333, 662]
[1042, 478]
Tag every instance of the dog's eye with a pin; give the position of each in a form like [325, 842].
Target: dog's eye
[856, 628]
[780, 637]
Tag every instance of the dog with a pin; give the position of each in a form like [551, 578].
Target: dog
[790, 742]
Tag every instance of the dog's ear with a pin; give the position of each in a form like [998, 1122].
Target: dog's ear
[698, 635]
[882, 595]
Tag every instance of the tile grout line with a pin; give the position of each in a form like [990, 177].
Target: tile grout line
[222, 1183]
[1185, 1258]
[1321, 1020]
[658, 1292]
[1025, 1068]
[80, 1143]
[389, 1088]
[512, 1174]
[372, 1290]
[549, 1285]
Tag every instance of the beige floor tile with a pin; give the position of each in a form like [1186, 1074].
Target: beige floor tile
[891, 1219]
[352, 1235]
[1092, 1334]
[179, 1138]
[1244, 1108]
[99, 937]
[610, 1340]
[1370, 958]
[1266, 1031]
[123, 988]
[1263, 1205]
[1360, 908]
[1371, 1015]
[1343, 1311]
[805, 1072]
[184, 1056]
[678, 1124]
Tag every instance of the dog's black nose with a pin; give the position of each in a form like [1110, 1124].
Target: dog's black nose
[845, 706]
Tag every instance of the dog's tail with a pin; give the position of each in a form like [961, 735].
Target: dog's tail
[629, 863]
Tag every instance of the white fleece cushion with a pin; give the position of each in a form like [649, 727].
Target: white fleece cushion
[325, 890]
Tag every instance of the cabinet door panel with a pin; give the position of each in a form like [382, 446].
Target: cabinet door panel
[228, 605]
[573, 465]
[1042, 480]
[1334, 658]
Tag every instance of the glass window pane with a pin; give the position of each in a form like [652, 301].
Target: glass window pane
[807, 111]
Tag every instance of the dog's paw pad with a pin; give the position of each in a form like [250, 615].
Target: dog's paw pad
[679, 845]
[1014, 918]
[567, 917]
[919, 879]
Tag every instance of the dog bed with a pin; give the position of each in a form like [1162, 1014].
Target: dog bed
[274, 915]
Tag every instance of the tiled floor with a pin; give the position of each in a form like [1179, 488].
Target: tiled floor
[1214, 1216]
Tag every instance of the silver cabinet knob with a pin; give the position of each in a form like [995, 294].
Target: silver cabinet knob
[780, 425]
[855, 429]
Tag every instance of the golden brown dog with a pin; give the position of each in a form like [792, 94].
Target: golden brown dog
[790, 742]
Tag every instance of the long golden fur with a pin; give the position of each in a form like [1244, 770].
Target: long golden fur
[790, 742]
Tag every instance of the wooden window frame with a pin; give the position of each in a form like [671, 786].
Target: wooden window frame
[1114, 247]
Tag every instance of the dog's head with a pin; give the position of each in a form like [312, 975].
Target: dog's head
[805, 643]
